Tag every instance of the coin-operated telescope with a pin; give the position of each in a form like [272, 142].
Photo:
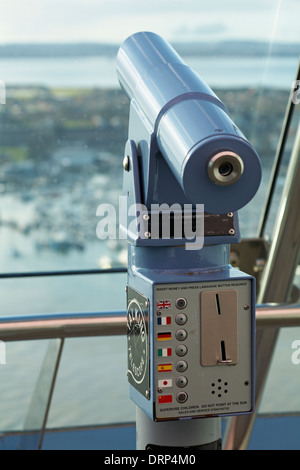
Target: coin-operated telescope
[188, 169]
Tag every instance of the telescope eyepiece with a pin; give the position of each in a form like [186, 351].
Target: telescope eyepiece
[225, 168]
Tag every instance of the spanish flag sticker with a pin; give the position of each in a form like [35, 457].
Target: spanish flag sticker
[164, 367]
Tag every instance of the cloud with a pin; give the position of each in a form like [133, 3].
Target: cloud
[113, 20]
[202, 29]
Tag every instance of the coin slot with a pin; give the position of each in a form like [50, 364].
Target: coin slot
[219, 329]
[218, 304]
[223, 351]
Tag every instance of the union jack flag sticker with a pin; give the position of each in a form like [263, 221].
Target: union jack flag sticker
[163, 304]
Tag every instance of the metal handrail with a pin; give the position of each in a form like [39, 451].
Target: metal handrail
[51, 326]
[69, 272]
[71, 325]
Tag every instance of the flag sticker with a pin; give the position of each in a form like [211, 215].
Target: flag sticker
[165, 399]
[164, 367]
[163, 304]
[164, 336]
[165, 383]
[164, 352]
[164, 320]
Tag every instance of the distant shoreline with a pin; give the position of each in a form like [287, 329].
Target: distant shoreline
[204, 49]
[99, 71]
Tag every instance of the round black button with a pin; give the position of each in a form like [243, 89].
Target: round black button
[181, 319]
[181, 397]
[181, 335]
[181, 350]
[181, 381]
[181, 303]
[181, 366]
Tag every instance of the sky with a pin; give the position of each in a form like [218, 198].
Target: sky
[111, 21]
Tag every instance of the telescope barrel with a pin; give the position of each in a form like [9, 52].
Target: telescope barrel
[207, 153]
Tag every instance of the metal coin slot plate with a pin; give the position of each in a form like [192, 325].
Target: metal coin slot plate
[214, 357]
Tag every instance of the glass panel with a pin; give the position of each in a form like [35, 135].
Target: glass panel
[285, 368]
[37, 414]
[290, 141]
[285, 365]
[60, 153]
[281, 392]
[18, 378]
[19, 375]
[64, 125]
[90, 293]
[92, 386]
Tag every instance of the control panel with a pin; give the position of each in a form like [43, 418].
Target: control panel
[203, 343]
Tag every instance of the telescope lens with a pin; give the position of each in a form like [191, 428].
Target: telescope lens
[225, 168]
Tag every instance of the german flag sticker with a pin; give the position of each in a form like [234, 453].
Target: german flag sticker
[164, 336]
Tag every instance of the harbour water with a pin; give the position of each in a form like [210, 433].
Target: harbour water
[100, 71]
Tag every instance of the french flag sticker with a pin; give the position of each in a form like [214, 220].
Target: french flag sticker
[164, 320]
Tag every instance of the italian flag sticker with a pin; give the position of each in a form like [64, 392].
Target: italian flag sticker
[164, 352]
